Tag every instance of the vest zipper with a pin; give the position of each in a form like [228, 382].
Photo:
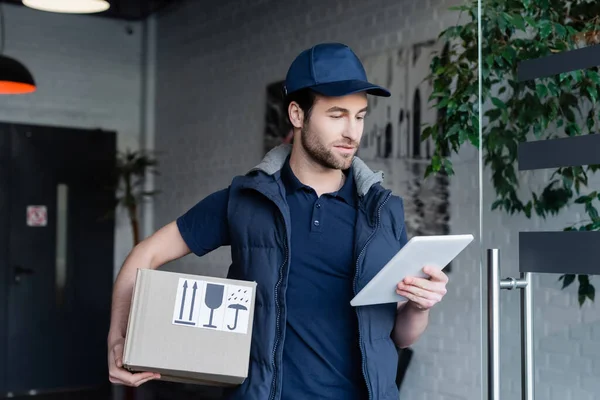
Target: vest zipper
[277, 321]
[362, 347]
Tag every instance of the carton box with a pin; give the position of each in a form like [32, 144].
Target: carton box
[190, 328]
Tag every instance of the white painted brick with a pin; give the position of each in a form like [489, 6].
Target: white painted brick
[558, 377]
[88, 72]
[560, 393]
[595, 337]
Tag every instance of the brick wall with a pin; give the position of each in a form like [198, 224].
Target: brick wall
[88, 71]
[213, 66]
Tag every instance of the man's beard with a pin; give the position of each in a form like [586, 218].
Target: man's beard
[325, 157]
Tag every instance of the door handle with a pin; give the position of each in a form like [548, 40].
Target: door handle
[19, 271]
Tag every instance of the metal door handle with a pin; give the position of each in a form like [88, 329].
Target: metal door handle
[495, 284]
[19, 270]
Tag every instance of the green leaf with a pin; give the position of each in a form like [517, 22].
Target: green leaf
[568, 279]
[444, 102]
[493, 114]
[518, 21]
[585, 289]
[545, 28]
[530, 20]
[498, 103]
[560, 30]
[428, 171]
[497, 204]
[583, 200]
[594, 76]
[593, 92]
[454, 129]
[436, 162]
[509, 53]
[553, 88]
[592, 212]
[527, 209]
[426, 133]
[448, 166]
[541, 90]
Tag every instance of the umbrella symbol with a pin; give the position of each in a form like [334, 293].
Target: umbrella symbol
[237, 308]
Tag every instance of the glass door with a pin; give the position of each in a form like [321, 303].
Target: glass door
[539, 109]
[426, 141]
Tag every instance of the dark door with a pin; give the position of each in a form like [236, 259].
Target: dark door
[56, 256]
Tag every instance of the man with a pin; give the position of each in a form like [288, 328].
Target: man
[311, 224]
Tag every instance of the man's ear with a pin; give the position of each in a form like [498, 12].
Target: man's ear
[296, 115]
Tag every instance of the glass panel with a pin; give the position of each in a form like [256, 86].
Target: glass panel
[62, 194]
[413, 137]
[540, 85]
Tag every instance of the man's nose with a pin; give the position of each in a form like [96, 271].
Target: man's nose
[353, 130]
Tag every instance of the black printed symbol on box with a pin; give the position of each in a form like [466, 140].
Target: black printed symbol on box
[183, 303]
[238, 300]
[213, 298]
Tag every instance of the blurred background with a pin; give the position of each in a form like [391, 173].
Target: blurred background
[116, 119]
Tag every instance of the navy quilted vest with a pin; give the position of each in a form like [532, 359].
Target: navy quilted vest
[259, 225]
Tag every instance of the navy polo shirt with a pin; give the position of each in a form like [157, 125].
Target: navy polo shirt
[321, 353]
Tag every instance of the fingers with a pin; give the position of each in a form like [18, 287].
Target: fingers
[436, 274]
[423, 299]
[119, 375]
[424, 293]
[123, 377]
[118, 355]
[423, 285]
[414, 290]
[141, 382]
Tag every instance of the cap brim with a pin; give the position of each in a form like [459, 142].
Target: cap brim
[343, 88]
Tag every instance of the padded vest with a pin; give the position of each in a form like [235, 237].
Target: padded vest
[259, 224]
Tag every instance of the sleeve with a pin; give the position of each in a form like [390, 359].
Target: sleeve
[204, 227]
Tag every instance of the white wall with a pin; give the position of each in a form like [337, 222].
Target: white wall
[88, 72]
[213, 66]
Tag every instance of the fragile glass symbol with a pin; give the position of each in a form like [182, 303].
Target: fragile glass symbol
[213, 300]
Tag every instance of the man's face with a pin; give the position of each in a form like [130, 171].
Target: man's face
[332, 135]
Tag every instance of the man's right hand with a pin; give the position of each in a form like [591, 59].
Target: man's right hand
[118, 374]
[163, 246]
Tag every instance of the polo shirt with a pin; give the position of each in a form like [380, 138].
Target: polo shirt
[321, 353]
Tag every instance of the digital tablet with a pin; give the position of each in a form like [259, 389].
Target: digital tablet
[420, 251]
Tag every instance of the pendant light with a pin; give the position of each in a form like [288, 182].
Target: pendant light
[69, 6]
[15, 78]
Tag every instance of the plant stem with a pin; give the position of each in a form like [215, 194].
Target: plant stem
[135, 229]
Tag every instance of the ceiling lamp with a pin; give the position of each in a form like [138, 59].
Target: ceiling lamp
[69, 6]
[15, 78]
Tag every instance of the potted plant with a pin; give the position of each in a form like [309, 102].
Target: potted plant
[131, 170]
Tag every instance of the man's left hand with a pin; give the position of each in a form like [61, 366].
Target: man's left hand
[424, 293]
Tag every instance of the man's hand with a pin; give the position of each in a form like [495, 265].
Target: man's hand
[118, 374]
[163, 246]
[424, 293]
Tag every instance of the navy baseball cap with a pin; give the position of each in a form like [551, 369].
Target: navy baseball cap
[331, 69]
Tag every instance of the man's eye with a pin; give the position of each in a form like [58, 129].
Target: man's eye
[337, 116]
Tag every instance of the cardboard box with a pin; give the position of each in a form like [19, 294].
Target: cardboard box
[190, 328]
